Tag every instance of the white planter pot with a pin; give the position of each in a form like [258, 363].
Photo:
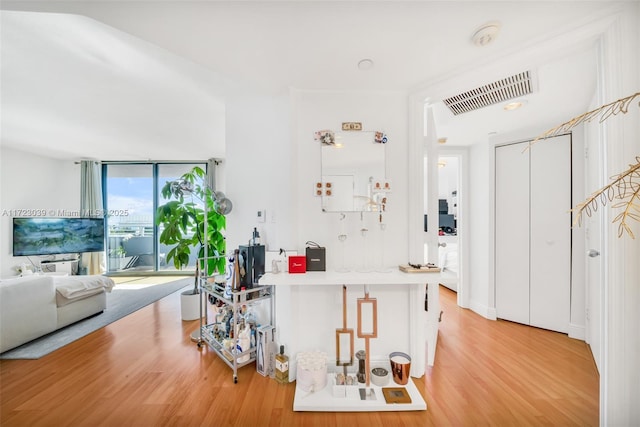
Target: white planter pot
[189, 305]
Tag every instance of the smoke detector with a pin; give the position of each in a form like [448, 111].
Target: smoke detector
[486, 34]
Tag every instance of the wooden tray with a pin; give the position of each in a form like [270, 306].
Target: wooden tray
[408, 269]
[396, 395]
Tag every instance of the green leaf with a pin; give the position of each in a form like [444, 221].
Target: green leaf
[182, 223]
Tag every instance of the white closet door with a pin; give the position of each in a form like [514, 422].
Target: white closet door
[512, 233]
[550, 233]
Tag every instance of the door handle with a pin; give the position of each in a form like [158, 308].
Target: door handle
[592, 253]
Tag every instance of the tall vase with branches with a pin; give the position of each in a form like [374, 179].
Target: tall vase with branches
[182, 218]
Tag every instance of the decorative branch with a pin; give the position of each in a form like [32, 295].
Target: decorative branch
[624, 188]
[608, 110]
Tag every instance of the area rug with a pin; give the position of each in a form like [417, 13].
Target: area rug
[121, 302]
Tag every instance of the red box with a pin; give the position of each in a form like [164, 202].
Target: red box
[297, 264]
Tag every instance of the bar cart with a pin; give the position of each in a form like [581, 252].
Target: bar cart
[227, 332]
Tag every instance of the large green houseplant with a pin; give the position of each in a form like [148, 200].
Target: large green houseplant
[182, 218]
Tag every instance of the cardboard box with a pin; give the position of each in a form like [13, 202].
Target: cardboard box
[266, 350]
[297, 264]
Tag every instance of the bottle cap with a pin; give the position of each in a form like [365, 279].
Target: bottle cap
[281, 349]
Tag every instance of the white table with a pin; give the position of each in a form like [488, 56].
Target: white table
[308, 310]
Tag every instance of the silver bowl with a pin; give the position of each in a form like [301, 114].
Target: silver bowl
[380, 377]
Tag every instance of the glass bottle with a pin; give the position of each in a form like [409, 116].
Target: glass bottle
[282, 367]
[236, 271]
[361, 374]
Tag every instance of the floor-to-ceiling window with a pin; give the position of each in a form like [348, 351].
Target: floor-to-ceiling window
[169, 172]
[132, 195]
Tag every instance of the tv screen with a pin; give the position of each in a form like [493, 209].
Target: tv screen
[51, 236]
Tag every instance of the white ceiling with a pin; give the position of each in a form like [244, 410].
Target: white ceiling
[138, 80]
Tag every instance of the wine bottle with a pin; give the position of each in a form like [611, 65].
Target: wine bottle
[282, 367]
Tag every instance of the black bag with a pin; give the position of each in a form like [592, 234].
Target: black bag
[316, 257]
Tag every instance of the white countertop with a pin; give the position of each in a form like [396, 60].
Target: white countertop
[393, 277]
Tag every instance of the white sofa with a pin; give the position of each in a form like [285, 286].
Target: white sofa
[36, 305]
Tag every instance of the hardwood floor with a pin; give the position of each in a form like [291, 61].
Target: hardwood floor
[144, 371]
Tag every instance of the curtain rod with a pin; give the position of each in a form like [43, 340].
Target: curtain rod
[144, 162]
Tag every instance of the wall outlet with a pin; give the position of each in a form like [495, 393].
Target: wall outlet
[261, 215]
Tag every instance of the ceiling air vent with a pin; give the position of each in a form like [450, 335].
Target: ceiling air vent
[492, 93]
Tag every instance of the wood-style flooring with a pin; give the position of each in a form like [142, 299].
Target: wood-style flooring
[144, 370]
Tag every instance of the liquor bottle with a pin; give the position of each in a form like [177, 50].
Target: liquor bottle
[255, 237]
[282, 367]
[236, 271]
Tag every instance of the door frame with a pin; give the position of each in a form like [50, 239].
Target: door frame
[462, 154]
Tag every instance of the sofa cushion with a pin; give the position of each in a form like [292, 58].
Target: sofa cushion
[27, 309]
[70, 288]
[81, 309]
[61, 300]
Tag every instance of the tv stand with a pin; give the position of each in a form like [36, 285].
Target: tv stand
[69, 266]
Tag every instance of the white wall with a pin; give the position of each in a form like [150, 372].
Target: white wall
[258, 171]
[29, 181]
[620, 379]
[447, 177]
[577, 323]
[480, 279]
[273, 162]
[384, 111]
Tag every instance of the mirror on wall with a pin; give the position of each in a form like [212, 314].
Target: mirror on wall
[350, 167]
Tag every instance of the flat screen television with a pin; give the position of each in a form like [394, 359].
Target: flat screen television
[53, 236]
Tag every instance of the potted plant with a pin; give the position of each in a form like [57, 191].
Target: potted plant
[117, 258]
[183, 220]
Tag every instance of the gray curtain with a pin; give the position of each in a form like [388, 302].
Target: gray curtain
[91, 205]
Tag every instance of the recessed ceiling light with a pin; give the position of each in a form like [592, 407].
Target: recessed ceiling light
[486, 34]
[514, 105]
[442, 140]
[365, 64]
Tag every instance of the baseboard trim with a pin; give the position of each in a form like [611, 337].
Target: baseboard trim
[577, 332]
[483, 310]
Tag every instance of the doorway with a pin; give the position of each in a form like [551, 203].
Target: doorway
[448, 182]
[452, 203]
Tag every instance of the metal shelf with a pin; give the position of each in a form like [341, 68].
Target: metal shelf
[237, 299]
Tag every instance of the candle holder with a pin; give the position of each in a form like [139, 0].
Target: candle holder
[364, 231]
[381, 268]
[342, 237]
